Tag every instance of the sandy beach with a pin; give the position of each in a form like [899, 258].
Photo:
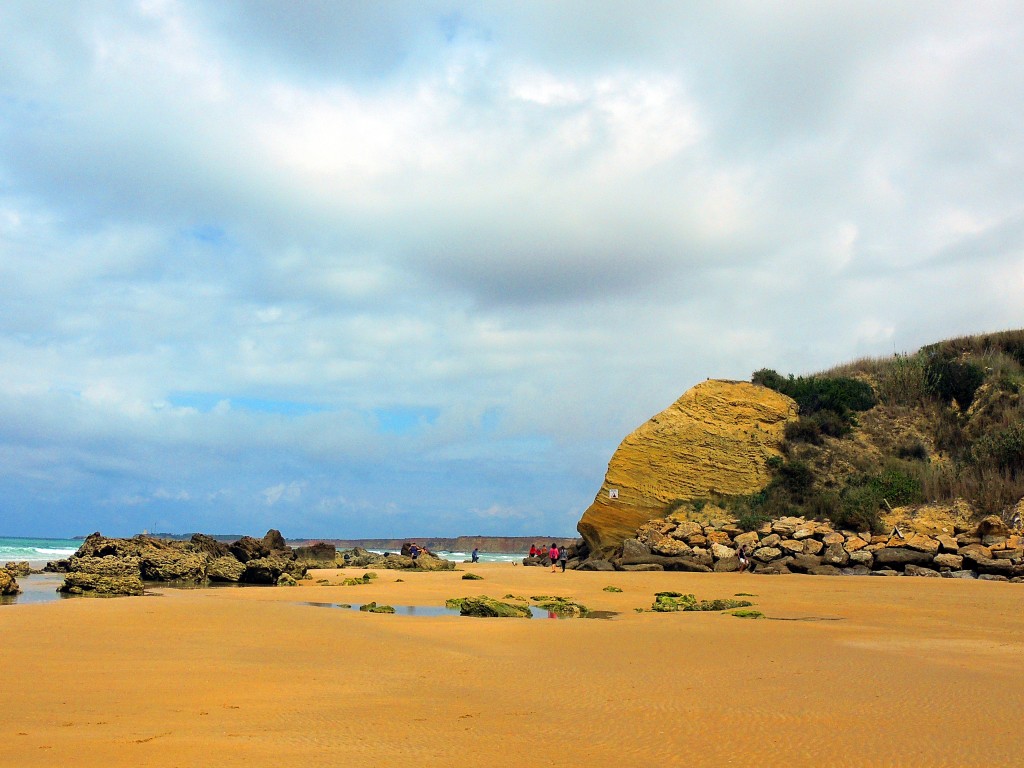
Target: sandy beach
[847, 671]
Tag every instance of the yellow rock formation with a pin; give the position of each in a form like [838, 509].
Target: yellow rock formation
[716, 438]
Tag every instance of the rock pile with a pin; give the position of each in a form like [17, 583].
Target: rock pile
[989, 551]
[358, 557]
[108, 566]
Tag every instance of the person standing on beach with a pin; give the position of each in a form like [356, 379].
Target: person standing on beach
[742, 555]
[553, 556]
[414, 552]
[563, 555]
[476, 555]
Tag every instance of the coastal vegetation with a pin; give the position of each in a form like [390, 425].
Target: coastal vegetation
[940, 424]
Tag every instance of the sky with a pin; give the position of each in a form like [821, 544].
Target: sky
[387, 269]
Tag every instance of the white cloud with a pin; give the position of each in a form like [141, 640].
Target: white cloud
[539, 222]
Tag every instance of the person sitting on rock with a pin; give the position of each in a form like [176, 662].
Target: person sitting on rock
[414, 552]
[533, 550]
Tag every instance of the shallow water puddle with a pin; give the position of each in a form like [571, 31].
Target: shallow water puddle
[436, 610]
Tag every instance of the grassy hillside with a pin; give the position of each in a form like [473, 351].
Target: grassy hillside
[942, 424]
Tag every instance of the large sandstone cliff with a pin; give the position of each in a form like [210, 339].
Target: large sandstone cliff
[716, 438]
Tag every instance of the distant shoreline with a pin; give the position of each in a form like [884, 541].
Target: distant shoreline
[496, 544]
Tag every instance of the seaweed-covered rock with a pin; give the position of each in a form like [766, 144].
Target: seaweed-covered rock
[318, 555]
[669, 602]
[108, 575]
[20, 568]
[372, 607]
[247, 548]
[8, 584]
[488, 607]
[286, 580]
[274, 541]
[226, 568]
[210, 545]
[560, 605]
[267, 570]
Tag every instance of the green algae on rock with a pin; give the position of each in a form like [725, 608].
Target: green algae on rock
[488, 607]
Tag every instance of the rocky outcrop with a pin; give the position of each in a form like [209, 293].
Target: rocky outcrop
[8, 584]
[798, 545]
[362, 558]
[103, 575]
[120, 566]
[716, 438]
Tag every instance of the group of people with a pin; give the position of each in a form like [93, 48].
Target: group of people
[557, 555]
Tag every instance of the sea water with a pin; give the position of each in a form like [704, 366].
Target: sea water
[38, 552]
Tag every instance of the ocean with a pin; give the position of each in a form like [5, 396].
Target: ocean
[38, 552]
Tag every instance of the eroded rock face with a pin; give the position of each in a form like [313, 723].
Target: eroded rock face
[717, 437]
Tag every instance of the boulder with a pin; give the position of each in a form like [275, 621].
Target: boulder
[946, 560]
[209, 545]
[960, 575]
[247, 548]
[862, 558]
[856, 570]
[776, 567]
[771, 540]
[717, 537]
[717, 437]
[643, 567]
[832, 538]
[160, 563]
[107, 575]
[318, 555]
[748, 539]
[992, 526]
[721, 552]
[8, 584]
[767, 554]
[666, 545]
[267, 570]
[835, 555]
[20, 568]
[824, 570]
[813, 547]
[803, 563]
[488, 607]
[991, 566]
[899, 557]
[992, 577]
[274, 541]
[635, 548]
[596, 564]
[917, 570]
[923, 544]
[792, 546]
[668, 563]
[947, 543]
[225, 568]
[854, 544]
[727, 565]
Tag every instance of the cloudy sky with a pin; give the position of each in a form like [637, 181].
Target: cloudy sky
[390, 268]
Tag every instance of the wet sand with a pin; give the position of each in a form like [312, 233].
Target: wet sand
[857, 671]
